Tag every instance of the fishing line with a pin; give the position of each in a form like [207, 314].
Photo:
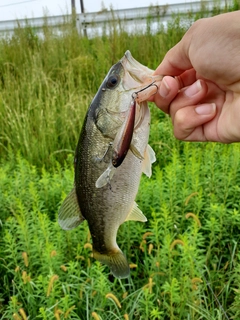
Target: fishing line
[16, 3]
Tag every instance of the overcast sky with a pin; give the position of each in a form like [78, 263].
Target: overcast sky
[20, 9]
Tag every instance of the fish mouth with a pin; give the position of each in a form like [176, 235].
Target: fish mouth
[136, 74]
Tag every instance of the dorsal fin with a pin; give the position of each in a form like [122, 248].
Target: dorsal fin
[69, 215]
[136, 214]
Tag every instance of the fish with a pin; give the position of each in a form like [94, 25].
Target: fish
[111, 155]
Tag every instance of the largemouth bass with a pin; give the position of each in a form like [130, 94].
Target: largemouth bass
[111, 154]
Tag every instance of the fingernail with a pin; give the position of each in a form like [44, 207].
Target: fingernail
[193, 89]
[164, 89]
[206, 109]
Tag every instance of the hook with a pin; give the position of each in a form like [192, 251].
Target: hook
[135, 94]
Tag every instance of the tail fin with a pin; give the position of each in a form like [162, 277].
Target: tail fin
[116, 261]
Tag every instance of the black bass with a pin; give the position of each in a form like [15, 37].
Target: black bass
[111, 154]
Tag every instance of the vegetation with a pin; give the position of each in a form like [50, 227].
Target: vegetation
[185, 261]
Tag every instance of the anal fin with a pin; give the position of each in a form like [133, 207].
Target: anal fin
[136, 214]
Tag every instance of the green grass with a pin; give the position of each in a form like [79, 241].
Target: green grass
[182, 258]
[46, 84]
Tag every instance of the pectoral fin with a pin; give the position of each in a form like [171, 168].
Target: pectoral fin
[69, 215]
[105, 177]
[136, 214]
[149, 158]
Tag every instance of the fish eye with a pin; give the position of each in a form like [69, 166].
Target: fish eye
[113, 81]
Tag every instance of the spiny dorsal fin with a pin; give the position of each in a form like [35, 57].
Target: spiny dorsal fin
[148, 160]
[69, 215]
[136, 214]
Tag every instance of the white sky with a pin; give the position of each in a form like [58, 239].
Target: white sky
[20, 9]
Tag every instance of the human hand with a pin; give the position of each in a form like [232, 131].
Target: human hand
[206, 66]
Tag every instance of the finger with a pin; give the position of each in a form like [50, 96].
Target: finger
[189, 121]
[188, 115]
[191, 95]
[176, 60]
[166, 93]
[186, 78]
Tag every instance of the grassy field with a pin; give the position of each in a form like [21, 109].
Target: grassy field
[185, 262]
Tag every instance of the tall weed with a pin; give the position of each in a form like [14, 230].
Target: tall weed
[188, 245]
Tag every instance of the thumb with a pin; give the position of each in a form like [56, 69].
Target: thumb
[176, 60]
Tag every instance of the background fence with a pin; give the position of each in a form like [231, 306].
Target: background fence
[93, 23]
